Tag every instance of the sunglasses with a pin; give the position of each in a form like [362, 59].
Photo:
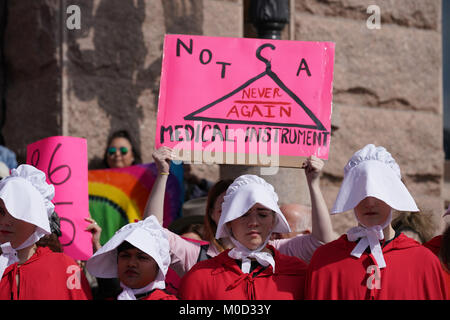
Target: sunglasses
[112, 151]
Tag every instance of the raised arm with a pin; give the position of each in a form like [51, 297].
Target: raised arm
[322, 228]
[183, 254]
[96, 231]
[155, 202]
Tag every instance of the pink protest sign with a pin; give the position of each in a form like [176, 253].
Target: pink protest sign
[232, 96]
[64, 162]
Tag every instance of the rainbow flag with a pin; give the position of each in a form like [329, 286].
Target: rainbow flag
[118, 196]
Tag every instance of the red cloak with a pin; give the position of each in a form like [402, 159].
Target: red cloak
[220, 278]
[411, 272]
[159, 295]
[46, 275]
[435, 245]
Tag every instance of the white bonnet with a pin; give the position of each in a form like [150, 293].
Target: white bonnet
[250, 180]
[37, 178]
[146, 235]
[242, 195]
[372, 171]
[370, 152]
[27, 196]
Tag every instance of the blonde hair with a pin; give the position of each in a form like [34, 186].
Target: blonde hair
[419, 222]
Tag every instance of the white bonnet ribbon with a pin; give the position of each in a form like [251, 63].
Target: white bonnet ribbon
[129, 294]
[369, 237]
[240, 252]
[9, 254]
[7, 258]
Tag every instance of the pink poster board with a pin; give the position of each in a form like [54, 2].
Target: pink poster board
[64, 162]
[245, 96]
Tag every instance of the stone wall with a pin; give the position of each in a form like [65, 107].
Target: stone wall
[386, 90]
[113, 65]
[103, 77]
[33, 67]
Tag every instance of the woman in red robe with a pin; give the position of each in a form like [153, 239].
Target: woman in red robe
[28, 272]
[371, 261]
[221, 278]
[46, 275]
[440, 246]
[252, 270]
[412, 272]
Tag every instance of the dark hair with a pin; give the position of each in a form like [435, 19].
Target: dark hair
[124, 246]
[51, 241]
[210, 228]
[444, 252]
[55, 224]
[123, 134]
[196, 228]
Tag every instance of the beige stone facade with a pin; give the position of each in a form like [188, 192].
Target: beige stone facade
[386, 90]
[105, 76]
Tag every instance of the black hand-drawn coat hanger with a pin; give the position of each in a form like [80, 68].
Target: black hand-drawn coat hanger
[268, 72]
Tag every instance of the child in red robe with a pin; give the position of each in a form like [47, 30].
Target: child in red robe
[371, 261]
[137, 254]
[28, 272]
[252, 270]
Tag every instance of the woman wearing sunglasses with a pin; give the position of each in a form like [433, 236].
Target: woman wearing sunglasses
[121, 151]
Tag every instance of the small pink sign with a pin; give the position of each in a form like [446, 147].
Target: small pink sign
[64, 162]
[241, 95]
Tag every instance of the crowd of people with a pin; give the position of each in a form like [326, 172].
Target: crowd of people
[249, 247]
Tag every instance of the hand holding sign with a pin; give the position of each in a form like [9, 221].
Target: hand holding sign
[313, 166]
[96, 231]
[272, 99]
[64, 161]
